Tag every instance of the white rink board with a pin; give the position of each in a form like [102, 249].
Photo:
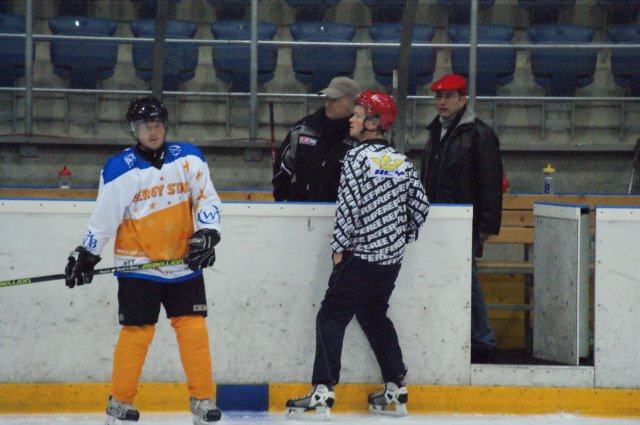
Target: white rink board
[561, 282]
[264, 292]
[617, 298]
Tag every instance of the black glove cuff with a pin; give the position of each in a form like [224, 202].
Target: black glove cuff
[83, 255]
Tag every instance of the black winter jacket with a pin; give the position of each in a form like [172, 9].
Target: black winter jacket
[309, 162]
[465, 168]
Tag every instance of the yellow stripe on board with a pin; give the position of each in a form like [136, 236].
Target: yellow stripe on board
[423, 399]
[428, 399]
[81, 397]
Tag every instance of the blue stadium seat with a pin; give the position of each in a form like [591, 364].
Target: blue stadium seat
[562, 71]
[544, 11]
[180, 60]
[232, 62]
[147, 8]
[315, 66]
[230, 10]
[82, 63]
[384, 59]
[385, 11]
[460, 10]
[311, 10]
[495, 67]
[625, 63]
[11, 50]
[11, 60]
[620, 12]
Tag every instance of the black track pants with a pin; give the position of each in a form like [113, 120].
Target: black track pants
[363, 289]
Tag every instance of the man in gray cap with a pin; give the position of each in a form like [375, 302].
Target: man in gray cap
[308, 164]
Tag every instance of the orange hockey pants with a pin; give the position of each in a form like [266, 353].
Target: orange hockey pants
[131, 351]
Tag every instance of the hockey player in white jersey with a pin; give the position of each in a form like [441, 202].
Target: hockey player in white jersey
[158, 201]
[380, 208]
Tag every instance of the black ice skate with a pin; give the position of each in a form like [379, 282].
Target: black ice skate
[319, 399]
[119, 411]
[204, 411]
[392, 400]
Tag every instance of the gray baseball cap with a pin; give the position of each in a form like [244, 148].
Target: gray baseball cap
[341, 86]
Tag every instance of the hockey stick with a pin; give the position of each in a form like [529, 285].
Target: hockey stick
[133, 267]
[273, 136]
[636, 166]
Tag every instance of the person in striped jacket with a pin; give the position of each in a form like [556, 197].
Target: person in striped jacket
[380, 208]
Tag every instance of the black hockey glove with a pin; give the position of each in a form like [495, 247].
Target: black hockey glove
[201, 252]
[80, 266]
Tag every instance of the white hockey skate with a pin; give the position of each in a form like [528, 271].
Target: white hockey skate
[320, 400]
[204, 411]
[119, 412]
[392, 400]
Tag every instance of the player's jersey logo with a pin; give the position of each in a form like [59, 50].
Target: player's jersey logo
[209, 216]
[386, 165]
[130, 159]
[175, 150]
[90, 240]
[306, 140]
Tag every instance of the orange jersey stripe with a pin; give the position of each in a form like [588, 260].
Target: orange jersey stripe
[159, 236]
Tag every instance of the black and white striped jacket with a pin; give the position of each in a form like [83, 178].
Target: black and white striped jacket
[381, 204]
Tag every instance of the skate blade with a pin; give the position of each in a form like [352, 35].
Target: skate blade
[199, 421]
[389, 410]
[317, 414]
[115, 421]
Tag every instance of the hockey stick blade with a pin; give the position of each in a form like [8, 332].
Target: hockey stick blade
[133, 267]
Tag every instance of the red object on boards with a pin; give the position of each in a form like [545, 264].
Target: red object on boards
[64, 172]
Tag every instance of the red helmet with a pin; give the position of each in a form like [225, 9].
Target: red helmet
[381, 105]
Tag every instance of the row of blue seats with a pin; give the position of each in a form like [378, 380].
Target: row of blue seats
[559, 71]
[540, 11]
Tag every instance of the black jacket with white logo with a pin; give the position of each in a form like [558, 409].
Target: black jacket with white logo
[307, 168]
[381, 204]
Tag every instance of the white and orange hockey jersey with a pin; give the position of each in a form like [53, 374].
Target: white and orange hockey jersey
[152, 212]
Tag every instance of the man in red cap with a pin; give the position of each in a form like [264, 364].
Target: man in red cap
[461, 164]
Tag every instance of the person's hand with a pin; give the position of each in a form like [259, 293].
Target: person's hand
[337, 258]
[80, 266]
[483, 236]
[201, 249]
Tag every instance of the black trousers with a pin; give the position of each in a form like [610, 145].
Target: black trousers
[363, 289]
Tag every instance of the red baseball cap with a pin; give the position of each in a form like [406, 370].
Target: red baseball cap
[451, 82]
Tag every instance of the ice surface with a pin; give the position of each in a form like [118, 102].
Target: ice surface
[184, 418]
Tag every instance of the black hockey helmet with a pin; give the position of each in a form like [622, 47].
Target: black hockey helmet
[146, 109]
